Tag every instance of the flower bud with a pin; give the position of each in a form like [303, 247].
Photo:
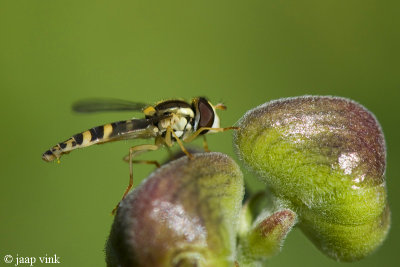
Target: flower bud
[264, 225]
[327, 157]
[184, 214]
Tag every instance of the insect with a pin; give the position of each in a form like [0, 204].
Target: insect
[166, 121]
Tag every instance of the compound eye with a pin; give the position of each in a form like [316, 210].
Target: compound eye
[206, 113]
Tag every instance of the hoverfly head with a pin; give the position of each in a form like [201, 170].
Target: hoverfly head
[206, 116]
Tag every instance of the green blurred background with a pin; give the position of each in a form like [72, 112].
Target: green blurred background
[242, 53]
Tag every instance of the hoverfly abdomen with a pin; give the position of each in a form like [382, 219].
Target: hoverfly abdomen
[135, 128]
[97, 133]
[77, 141]
[49, 156]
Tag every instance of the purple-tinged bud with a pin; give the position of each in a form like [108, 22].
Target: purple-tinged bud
[184, 214]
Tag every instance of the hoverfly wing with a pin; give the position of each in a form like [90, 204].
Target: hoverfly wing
[92, 105]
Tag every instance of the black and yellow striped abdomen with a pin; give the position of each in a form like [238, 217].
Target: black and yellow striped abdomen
[136, 128]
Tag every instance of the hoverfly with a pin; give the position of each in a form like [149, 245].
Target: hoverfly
[166, 121]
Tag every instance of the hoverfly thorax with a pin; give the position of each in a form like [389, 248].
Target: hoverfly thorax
[176, 114]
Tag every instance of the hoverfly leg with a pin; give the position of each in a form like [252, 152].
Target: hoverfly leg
[205, 144]
[167, 138]
[196, 133]
[168, 134]
[170, 153]
[134, 151]
[155, 162]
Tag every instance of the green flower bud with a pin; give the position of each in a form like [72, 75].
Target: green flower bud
[263, 227]
[184, 214]
[327, 156]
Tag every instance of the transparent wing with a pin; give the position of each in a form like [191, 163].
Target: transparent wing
[91, 105]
